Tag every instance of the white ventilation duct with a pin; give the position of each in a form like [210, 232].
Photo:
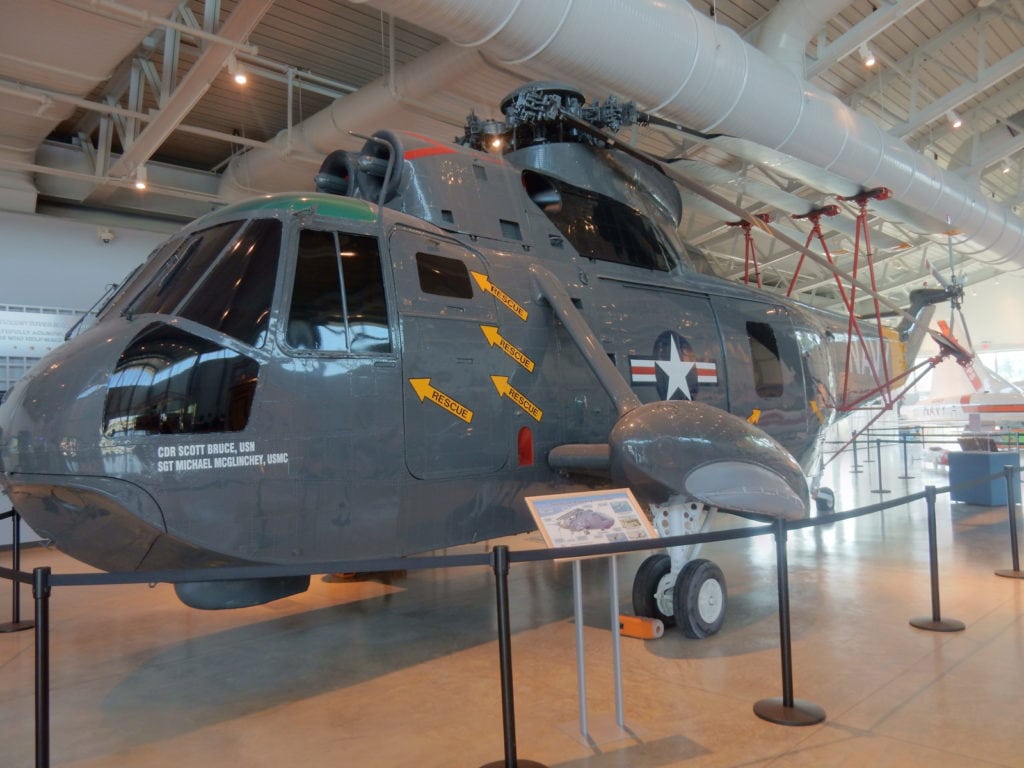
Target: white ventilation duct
[691, 70]
[295, 157]
[784, 33]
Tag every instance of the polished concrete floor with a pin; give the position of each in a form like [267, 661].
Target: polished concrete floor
[403, 671]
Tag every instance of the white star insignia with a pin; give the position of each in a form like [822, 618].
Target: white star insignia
[677, 370]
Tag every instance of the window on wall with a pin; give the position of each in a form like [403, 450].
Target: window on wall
[764, 354]
[337, 302]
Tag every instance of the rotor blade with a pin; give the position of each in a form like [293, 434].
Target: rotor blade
[936, 274]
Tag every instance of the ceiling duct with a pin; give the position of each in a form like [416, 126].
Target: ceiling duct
[690, 70]
[396, 99]
[696, 72]
[45, 43]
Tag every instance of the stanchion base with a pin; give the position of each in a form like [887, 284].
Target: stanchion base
[1010, 574]
[801, 713]
[16, 626]
[942, 625]
[881, 490]
[520, 763]
[856, 471]
[905, 477]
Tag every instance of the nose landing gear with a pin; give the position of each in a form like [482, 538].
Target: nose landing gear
[681, 590]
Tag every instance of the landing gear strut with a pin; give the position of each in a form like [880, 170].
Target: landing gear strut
[681, 591]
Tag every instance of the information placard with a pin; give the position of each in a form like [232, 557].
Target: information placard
[32, 334]
[590, 517]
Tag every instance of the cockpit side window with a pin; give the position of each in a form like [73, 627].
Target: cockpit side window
[182, 269]
[764, 354]
[235, 296]
[605, 229]
[337, 302]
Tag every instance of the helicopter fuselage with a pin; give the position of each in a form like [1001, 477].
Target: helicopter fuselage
[311, 377]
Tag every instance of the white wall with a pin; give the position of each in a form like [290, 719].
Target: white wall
[52, 262]
[994, 312]
[47, 261]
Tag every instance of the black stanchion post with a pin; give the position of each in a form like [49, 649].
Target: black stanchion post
[1012, 484]
[878, 450]
[906, 470]
[16, 624]
[855, 470]
[935, 622]
[41, 593]
[787, 710]
[500, 563]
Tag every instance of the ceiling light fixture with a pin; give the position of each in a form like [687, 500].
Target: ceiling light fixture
[141, 177]
[955, 120]
[237, 71]
[867, 55]
[1006, 166]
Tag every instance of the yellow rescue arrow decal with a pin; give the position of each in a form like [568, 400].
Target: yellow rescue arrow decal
[507, 390]
[494, 337]
[817, 411]
[424, 391]
[755, 416]
[488, 287]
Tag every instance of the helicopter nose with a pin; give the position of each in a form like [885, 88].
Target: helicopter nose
[689, 448]
[55, 468]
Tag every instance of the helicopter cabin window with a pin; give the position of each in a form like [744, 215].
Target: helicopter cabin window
[337, 302]
[235, 296]
[168, 381]
[764, 353]
[605, 229]
[443, 276]
[182, 269]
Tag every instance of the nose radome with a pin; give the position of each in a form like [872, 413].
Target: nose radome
[689, 448]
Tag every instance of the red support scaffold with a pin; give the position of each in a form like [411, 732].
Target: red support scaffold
[749, 252]
[854, 334]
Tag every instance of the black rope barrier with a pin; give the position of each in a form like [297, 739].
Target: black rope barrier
[786, 710]
[878, 451]
[935, 622]
[500, 563]
[15, 624]
[41, 589]
[1011, 510]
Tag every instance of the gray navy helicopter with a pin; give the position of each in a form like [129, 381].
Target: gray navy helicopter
[391, 364]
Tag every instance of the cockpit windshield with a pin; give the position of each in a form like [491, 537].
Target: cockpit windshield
[222, 277]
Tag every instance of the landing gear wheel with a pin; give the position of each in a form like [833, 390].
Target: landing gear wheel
[699, 599]
[647, 584]
[825, 500]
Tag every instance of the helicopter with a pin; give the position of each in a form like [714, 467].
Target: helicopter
[390, 364]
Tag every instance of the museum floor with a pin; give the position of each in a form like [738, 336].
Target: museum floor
[403, 671]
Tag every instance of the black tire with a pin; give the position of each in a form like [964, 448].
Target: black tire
[645, 583]
[699, 599]
[825, 500]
